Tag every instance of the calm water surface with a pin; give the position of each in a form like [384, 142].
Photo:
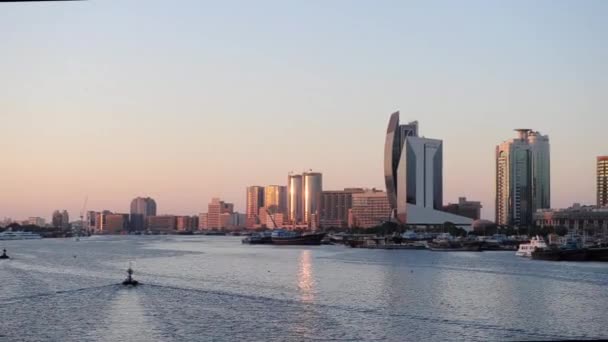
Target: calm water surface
[215, 289]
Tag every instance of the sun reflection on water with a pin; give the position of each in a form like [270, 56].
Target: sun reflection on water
[305, 277]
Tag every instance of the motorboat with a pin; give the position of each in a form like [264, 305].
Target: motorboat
[526, 249]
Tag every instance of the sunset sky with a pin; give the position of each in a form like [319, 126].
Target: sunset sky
[186, 100]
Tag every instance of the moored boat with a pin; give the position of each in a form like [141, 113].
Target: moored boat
[526, 249]
[258, 239]
[453, 246]
[283, 237]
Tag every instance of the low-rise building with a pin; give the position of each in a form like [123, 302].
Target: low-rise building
[577, 217]
[111, 223]
[162, 224]
[470, 209]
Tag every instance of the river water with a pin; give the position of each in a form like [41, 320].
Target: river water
[214, 288]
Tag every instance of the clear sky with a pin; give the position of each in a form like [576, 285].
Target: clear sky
[185, 100]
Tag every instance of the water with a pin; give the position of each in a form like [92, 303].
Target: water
[215, 289]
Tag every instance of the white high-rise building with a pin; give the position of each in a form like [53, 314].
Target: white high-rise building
[523, 177]
[413, 170]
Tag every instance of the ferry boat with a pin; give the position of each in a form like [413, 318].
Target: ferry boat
[526, 249]
[18, 235]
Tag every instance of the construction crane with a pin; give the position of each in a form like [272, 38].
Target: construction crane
[271, 218]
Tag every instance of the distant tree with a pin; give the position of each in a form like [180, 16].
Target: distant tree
[561, 230]
[14, 226]
[452, 229]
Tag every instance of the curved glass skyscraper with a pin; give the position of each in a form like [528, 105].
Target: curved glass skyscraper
[413, 173]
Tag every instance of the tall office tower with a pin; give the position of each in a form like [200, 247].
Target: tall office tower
[141, 209]
[523, 182]
[602, 181]
[295, 209]
[312, 186]
[255, 201]
[540, 163]
[275, 199]
[413, 172]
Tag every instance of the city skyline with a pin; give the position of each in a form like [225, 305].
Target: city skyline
[88, 117]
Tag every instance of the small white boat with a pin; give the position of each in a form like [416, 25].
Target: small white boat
[526, 249]
[18, 235]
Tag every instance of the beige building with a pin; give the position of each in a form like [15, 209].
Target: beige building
[110, 223]
[275, 198]
[255, 201]
[203, 223]
[214, 213]
[369, 209]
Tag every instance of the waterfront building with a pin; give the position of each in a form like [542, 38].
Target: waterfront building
[194, 222]
[203, 222]
[61, 219]
[413, 171]
[215, 210]
[186, 223]
[470, 209]
[576, 218]
[56, 218]
[602, 181]
[255, 201]
[36, 221]
[312, 187]
[522, 178]
[335, 206]
[162, 224]
[141, 209]
[225, 220]
[111, 223]
[294, 198]
[370, 208]
[90, 224]
[238, 220]
[275, 198]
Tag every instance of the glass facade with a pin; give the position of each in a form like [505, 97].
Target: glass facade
[523, 182]
[294, 199]
[312, 189]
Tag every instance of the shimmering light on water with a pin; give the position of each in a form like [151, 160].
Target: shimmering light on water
[215, 288]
